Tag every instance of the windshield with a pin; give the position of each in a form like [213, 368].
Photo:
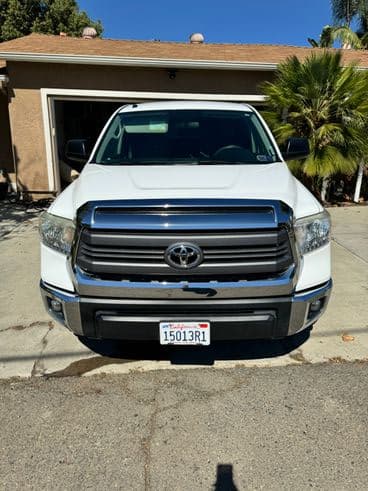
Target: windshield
[185, 137]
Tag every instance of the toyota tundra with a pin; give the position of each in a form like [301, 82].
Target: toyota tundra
[186, 226]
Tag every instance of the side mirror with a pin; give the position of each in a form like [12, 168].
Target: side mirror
[296, 148]
[77, 151]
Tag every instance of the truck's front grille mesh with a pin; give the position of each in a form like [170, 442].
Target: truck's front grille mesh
[232, 255]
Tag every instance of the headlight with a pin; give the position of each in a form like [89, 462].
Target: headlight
[312, 232]
[56, 232]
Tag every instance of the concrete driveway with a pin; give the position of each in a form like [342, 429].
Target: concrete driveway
[33, 345]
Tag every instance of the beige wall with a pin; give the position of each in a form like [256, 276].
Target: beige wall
[25, 107]
[28, 140]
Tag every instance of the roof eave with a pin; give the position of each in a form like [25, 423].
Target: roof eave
[138, 62]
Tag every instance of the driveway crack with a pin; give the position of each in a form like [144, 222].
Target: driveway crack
[23, 327]
[349, 250]
[147, 441]
[39, 366]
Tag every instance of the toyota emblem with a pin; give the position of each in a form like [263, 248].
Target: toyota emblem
[183, 255]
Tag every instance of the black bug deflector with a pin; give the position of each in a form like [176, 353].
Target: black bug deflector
[185, 214]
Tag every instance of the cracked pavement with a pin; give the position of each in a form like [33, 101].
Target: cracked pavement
[287, 427]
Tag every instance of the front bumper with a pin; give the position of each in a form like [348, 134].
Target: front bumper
[230, 318]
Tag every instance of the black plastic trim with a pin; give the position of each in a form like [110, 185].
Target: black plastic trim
[230, 319]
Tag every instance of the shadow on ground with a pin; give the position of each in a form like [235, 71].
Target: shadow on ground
[224, 478]
[204, 355]
[14, 213]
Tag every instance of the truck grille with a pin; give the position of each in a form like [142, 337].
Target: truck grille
[118, 254]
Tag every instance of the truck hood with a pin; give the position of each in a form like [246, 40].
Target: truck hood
[269, 181]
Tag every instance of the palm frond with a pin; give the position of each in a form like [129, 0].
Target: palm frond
[347, 37]
[325, 102]
[328, 161]
[313, 42]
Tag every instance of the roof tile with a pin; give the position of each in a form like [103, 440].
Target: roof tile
[256, 53]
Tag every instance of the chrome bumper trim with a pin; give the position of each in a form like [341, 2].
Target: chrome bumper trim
[300, 307]
[155, 290]
[298, 320]
[70, 301]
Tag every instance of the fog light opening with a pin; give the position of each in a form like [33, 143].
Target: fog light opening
[315, 307]
[56, 309]
[56, 306]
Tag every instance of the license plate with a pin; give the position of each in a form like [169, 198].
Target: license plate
[185, 333]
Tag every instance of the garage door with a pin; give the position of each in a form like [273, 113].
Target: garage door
[73, 120]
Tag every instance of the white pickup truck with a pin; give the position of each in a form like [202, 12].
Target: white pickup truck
[186, 227]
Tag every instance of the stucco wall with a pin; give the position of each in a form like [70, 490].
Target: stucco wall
[25, 108]
[28, 140]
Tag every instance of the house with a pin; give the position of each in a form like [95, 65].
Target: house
[54, 88]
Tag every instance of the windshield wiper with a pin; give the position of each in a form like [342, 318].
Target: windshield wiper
[226, 162]
[150, 162]
[129, 162]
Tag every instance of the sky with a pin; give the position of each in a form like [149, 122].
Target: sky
[227, 21]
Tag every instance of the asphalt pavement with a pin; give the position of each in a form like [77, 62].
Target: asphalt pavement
[282, 428]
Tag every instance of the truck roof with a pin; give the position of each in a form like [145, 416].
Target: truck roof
[172, 105]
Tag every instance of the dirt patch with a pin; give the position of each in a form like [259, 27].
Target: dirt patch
[23, 327]
[299, 356]
[80, 367]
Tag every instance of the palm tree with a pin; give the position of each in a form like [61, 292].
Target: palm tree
[325, 102]
[344, 11]
[347, 37]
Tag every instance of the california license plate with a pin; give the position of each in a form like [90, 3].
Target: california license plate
[184, 333]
